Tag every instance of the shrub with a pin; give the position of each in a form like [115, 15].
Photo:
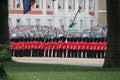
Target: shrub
[2, 72]
[5, 53]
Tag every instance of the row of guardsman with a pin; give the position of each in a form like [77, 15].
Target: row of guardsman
[59, 47]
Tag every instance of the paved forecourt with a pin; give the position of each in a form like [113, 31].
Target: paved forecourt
[65, 61]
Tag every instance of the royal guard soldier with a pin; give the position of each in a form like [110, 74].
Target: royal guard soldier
[101, 49]
[55, 48]
[28, 44]
[83, 48]
[12, 48]
[21, 45]
[39, 48]
[98, 49]
[59, 54]
[42, 48]
[32, 48]
[17, 49]
[94, 49]
[25, 48]
[50, 48]
[68, 47]
[36, 48]
[79, 48]
[88, 49]
[104, 48]
[75, 51]
[71, 48]
[46, 48]
[64, 45]
[91, 49]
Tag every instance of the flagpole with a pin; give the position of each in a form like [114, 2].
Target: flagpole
[79, 9]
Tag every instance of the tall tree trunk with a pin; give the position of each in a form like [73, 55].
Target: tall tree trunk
[4, 29]
[113, 35]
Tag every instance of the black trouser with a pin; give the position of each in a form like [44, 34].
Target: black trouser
[69, 51]
[94, 53]
[27, 52]
[74, 54]
[42, 53]
[88, 53]
[91, 53]
[64, 52]
[46, 53]
[50, 51]
[59, 54]
[34, 53]
[79, 53]
[84, 53]
[54, 52]
[102, 53]
[99, 53]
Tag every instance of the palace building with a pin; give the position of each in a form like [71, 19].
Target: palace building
[59, 13]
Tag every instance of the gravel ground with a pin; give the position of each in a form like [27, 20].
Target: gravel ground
[65, 61]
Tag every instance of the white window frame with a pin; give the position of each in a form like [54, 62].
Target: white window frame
[82, 4]
[18, 23]
[91, 5]
[28, 21]
[10, 4]
[49, 4]
[81, 24]
[91, 23]
[37, 22]
[60, 5]
[49, 22]
[38, 2]
[18, 3]
[71, 4]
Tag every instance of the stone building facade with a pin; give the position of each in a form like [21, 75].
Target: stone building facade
[59, 12]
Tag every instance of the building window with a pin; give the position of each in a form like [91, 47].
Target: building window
[37, 21]
[28, 20]
[18, 21]
[82, 4]
[18, 3]
[10, 21]
[81, 24]
[60, 4]
[10, 3]
[49, 22]
[38, 4]
[50, 4]
[91, 5]
[60, 22]
[91, 23]
[71, 4]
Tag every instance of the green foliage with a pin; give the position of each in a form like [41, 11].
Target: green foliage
[5, 53]
[4, 56]
[3, 75]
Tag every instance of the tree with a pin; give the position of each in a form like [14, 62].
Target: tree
[112, 58]
[4, 29]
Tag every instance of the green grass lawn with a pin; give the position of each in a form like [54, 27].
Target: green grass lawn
[22, 71]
